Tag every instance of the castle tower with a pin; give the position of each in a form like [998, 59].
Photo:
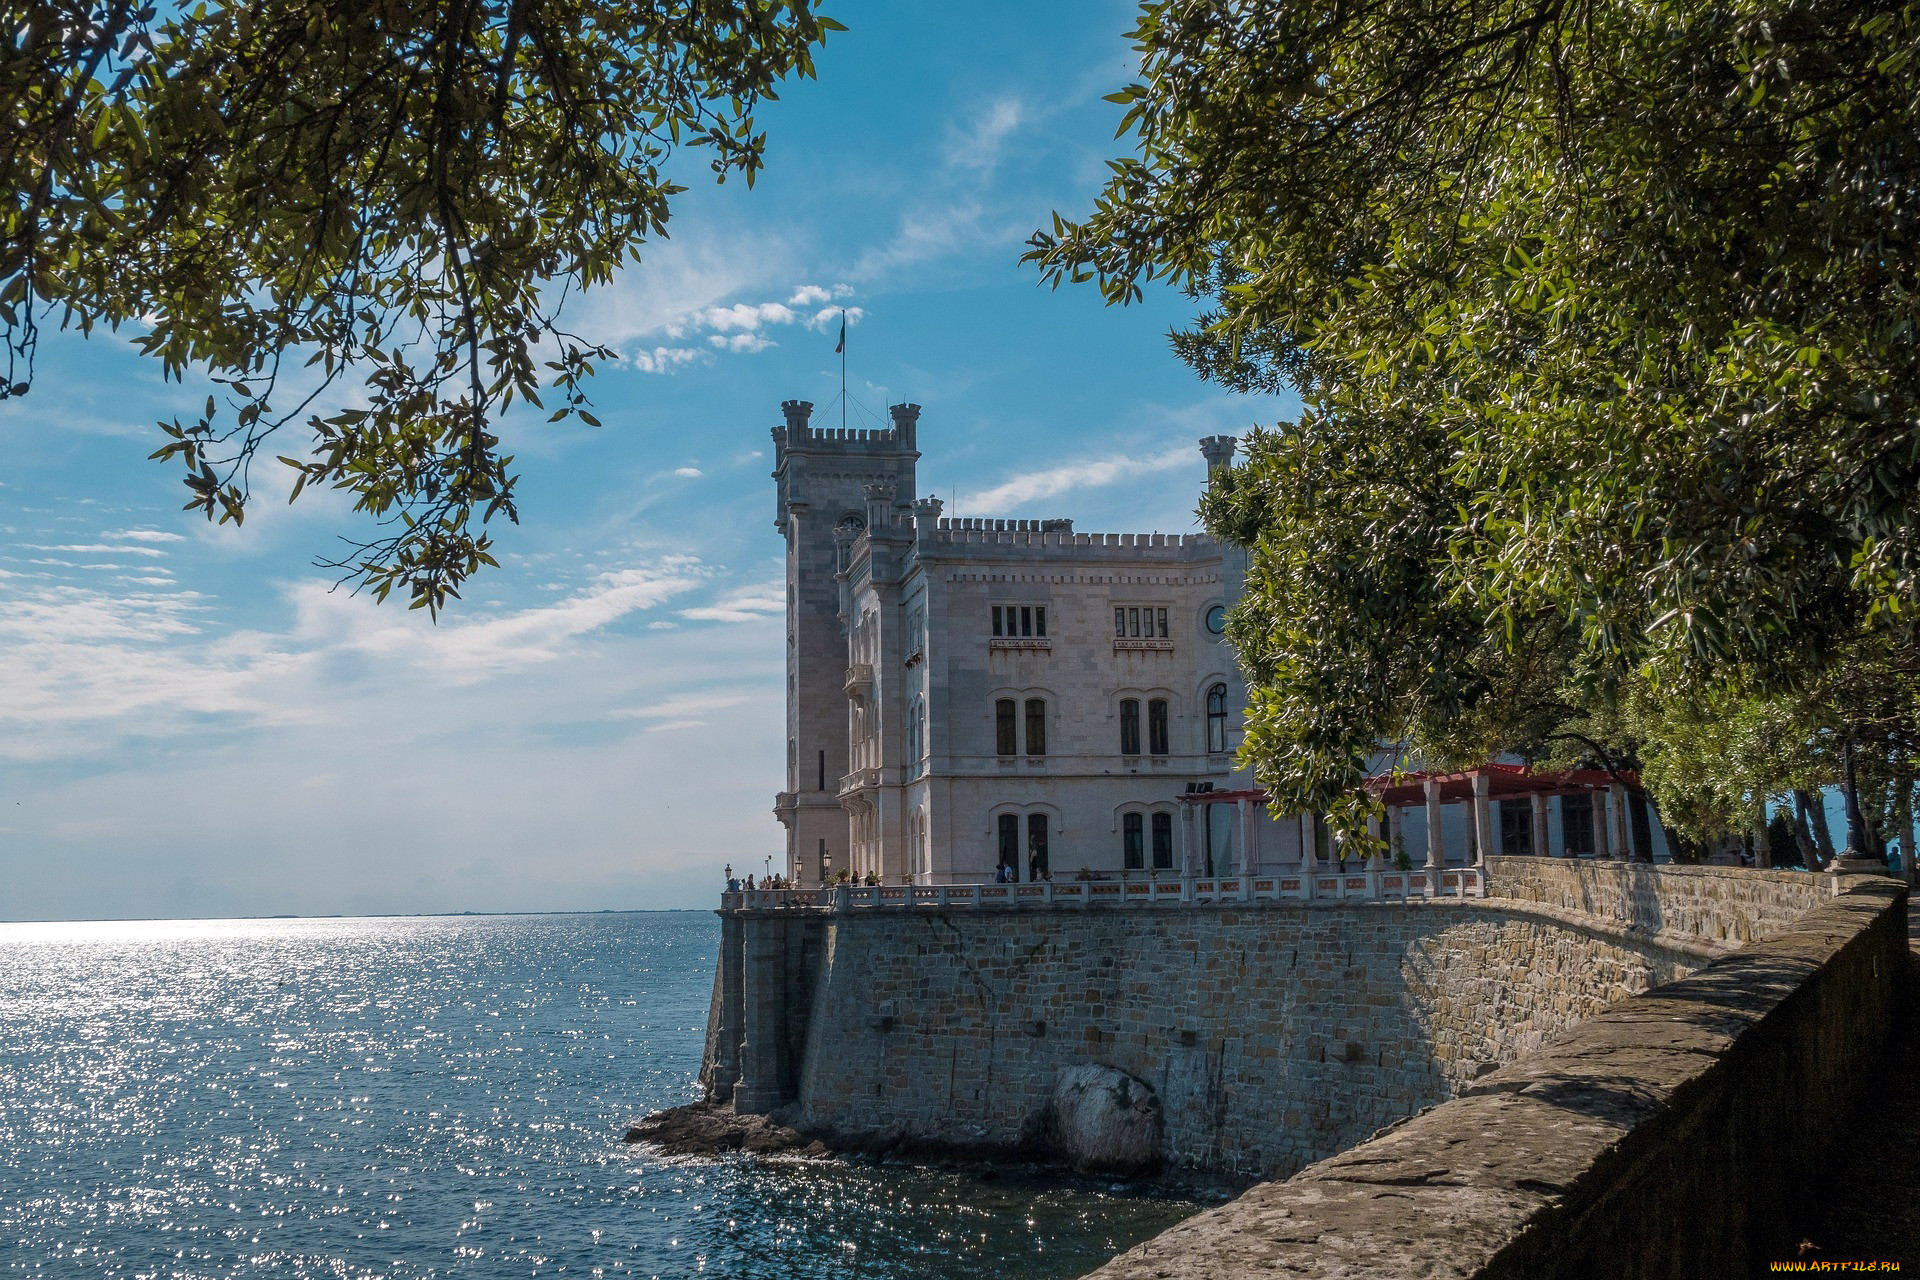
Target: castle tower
[822, 477]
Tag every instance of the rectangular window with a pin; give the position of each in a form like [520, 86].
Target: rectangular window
[1036, 727]
[1026, 620]
[1119, 624]
[1129, 727]
[1003, 728]
[1163, 842]
[1157, 725]
[1133, 623]
[1516, 827]
[1037, 847]
[1576, 824]
[1040, 620]
[1133, 842]
[997, 612]
[1010, 843]
[1161, 615]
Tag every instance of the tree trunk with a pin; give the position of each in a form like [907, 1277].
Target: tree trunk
[1857, 844]
[1903, 823]
[1811, 809]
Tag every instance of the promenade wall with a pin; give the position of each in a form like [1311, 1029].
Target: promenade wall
[1275, 1034]
[1659, 1138]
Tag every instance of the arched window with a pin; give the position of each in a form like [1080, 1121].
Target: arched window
[1129, 726]
[1036, 727]
[1003, 720]
[1217, 718]
[1037, 847]
[1132, 841]
[1010, 844]
[1162, 842]
[1157, 727]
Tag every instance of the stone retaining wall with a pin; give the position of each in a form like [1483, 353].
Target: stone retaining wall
[1658, 1139]
[1726, 905]
[1274, 1035]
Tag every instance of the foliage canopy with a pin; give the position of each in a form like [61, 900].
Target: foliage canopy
[1603, 316]
[399, 192]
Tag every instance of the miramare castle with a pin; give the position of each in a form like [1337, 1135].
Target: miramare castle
[970, 695]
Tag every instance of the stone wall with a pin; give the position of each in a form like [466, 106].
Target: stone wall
[1273, 1035]
[1658, 1139]
[1729, 906]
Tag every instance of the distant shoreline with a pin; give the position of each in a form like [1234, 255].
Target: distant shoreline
[340, 915]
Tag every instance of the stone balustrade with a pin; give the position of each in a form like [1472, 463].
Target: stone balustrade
[1327, 884]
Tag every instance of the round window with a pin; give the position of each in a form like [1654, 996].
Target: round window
[1217, 619]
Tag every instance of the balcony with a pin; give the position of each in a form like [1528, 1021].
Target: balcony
[859, 679]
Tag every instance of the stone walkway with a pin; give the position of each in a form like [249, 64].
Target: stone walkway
[1871, 1211]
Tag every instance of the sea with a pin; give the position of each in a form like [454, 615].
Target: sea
[442, 1097]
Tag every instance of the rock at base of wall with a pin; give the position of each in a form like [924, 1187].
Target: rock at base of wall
[1103, 1120]
[707, 1128]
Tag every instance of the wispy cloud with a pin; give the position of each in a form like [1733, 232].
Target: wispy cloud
[1032, 486]
[85, 666]
[745, 604]
[93, 548]
[678, 708]
[147, 535]
[975, 143]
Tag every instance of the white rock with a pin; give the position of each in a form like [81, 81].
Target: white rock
[1104, 1120]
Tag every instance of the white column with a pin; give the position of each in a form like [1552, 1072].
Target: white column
[1482, 818]
[1436, 851]
[1542, 846]
[1374, 861]
[1249, 864]
[1190, 852]
[1622, 824]
[1396, 831]
[1309, 843]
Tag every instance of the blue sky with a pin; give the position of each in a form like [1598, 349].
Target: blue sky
[193, 724]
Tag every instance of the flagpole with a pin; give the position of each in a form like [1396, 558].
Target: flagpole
[843, 368]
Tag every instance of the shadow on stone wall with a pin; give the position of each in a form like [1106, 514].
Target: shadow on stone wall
[1657, 1140]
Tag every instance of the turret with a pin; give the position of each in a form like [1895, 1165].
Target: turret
[906, 422]
[1218, 451]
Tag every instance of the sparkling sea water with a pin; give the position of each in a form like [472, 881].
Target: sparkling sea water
[439, 1096]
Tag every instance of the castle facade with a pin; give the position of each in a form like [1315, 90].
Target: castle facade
[970, 700]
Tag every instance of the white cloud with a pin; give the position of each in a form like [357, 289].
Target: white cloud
[1031, 486]
[976, 144]
[680, 707]
[827, 316]
[744, 315]
[747, 342]
[147, 535]
[93, 548]
[690, 473]
[745, 604]
[676, 724]
[664, 359]
[82, 667]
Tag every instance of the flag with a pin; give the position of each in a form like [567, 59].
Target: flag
[841, 347]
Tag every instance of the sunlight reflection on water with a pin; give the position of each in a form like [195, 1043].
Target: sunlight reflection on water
[429, 1097]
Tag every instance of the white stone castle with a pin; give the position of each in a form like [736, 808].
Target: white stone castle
[970, 700]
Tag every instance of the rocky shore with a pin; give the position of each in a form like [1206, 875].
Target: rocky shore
[712, 1129]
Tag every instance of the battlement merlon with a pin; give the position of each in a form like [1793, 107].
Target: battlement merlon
[973, 539]
[800, 435]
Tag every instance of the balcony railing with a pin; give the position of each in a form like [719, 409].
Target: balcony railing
[1285, 886]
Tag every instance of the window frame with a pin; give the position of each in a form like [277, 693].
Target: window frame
[1006, 727]
[1036, 727]
[1159, 722]
[1162, 823]
[1133, 842]
[1129, 726]
[1217, 718]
